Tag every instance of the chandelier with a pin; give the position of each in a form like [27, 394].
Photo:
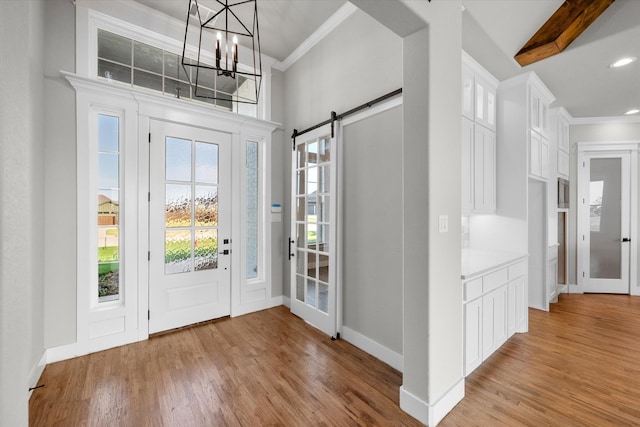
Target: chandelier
[227, 65]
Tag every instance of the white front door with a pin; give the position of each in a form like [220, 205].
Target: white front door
[189, 225]
[313, 245]
[604, 221]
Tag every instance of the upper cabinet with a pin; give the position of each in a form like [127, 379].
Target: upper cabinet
[562, 135]
[479, 104]
[478, 93]
[526, 103]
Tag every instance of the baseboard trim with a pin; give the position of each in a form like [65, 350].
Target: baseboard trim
[388, 356]
[257, 306]
[63, 352]
[431, 414]
[36, 371]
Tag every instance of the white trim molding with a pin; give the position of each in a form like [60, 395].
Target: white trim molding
[326, 28]
[431, 413]
[36, 371]
[604, 120]
[374, 348]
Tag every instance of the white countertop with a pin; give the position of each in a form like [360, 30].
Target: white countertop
[477, 262]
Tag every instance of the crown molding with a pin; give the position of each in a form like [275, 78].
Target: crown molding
[604, 120]
[326, 28]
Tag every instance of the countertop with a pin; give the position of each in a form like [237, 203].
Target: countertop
[477, 262]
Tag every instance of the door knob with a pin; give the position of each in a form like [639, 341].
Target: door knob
[626, 239]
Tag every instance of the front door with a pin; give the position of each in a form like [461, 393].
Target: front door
[313, 247]
[189, 225]
[604, 218]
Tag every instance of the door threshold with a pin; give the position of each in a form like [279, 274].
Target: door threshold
[193, 325]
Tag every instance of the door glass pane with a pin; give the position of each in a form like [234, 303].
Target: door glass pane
[323, 297]
[206, 206]
[252, 209]
[311, 292]
[324, 151]
[178, 205]
[206, 163]
[177, 251]
[206, 249]
[605, 192]
[300, 288]
[311, 264]
[178, 159]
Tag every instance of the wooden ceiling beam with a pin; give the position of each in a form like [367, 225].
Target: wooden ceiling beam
[564, 26]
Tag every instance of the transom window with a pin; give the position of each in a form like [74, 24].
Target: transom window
[138, 64]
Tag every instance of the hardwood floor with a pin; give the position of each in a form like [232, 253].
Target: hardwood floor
[266, 368]
[579, 365]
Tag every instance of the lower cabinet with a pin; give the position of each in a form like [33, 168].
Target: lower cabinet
[495, 307]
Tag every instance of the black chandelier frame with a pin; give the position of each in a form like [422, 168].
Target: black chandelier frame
[227, 34]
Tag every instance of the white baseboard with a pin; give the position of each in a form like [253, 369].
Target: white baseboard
[63, 352]
[431, 414]
[257, 306]
[372, 347]
[37, 370]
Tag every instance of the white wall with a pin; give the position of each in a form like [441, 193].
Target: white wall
[597, 132]
[60, 172]
[21, 198]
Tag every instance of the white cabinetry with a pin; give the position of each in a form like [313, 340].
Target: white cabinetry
[562, 135]
[494, 309]
[478, 138]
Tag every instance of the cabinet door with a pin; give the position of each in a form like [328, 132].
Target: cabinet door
[544, 157]
[494, 320]
[534, 110]
[485, 104]
[535, 153]
[517, 306]
[563, 135]
[563, 164]
[468, 93]
[543, 117]
[467, 166]
[484, 148]
[472, 335]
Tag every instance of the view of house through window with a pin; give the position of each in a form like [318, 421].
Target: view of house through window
[138, 64]
[108, 208]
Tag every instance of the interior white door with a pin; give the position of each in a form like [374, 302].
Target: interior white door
[189, 225]
[604, 211]
[313, 270]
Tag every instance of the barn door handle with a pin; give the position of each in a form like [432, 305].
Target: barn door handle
[626, 239]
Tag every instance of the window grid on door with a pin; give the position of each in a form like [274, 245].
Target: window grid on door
[313, 198]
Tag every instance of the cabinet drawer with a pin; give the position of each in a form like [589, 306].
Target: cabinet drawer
[517, 270]
[472, 289]
[493, 280]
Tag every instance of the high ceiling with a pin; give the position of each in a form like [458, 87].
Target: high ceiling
[493, 32]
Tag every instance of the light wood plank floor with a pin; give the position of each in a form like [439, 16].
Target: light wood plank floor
[579, 365]
[266, 368]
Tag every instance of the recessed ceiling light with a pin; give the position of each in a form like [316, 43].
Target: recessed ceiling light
[623, 61]
[630, 112]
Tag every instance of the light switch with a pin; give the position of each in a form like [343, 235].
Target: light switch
[443, 223]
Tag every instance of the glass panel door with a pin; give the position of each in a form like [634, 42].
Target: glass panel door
[606, 222]
[189, 217]
[313, 275]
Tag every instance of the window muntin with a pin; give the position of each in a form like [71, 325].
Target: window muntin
[139, 64]
[108, 209]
